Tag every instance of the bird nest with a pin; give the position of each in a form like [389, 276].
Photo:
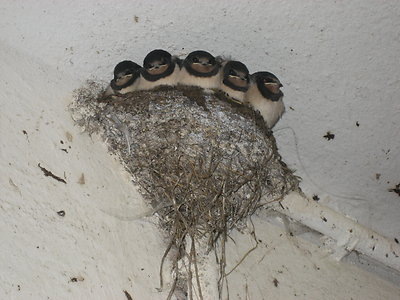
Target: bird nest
[201, 161]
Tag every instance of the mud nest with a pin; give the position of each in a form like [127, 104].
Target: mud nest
[203, 162]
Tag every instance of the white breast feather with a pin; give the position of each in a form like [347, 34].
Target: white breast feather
[204, 82]
[271, 111]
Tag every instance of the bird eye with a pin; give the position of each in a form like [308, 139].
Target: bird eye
[195, 60]
[232, 72]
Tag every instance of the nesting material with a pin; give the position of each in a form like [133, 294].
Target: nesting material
[201, 161]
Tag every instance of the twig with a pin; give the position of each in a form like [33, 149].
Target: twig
[193, 250]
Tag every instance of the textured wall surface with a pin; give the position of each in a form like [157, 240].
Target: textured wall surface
[81, 253]
[338, 62]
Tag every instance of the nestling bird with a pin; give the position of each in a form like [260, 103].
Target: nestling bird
[235, 80]
[201, 69]
[265, 96]
[126, 78]
[159, 68]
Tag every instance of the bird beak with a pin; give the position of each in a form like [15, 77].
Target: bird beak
[273, 87]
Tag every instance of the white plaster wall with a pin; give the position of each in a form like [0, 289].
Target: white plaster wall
[339, 64]
[41, 251]
[338, 61]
